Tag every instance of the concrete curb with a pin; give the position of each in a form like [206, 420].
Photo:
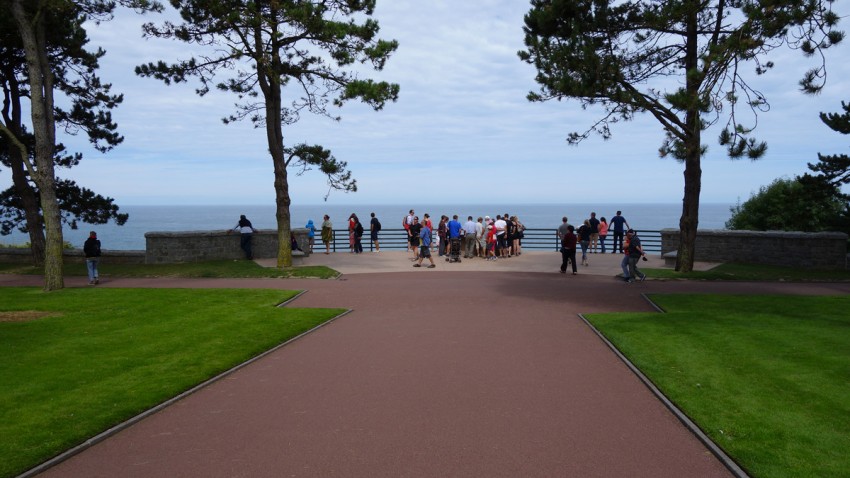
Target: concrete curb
[130, 422]
[715, 449]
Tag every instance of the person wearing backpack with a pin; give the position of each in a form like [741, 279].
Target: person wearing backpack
[374, 229]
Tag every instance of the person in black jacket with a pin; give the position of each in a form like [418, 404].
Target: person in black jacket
[91, 249]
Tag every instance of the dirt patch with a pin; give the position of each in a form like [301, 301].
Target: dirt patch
[24, 315]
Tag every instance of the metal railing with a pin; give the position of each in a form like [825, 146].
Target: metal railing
[535, 239]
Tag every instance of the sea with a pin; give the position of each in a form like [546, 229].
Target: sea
[131, 236]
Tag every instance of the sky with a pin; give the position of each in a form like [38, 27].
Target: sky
[462, 130]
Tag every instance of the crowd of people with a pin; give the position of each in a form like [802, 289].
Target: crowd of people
[484, 238]
[496, 238]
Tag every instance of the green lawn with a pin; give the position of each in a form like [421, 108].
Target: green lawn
[208, 269]
[767, 377]
[754, 272]
[75, 362]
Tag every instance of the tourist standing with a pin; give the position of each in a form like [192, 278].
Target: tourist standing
[491, 242]
[568, 250]
[519, 234]
[352, 223]
[617, 223]
[501, 227]
[442, 234]
[327, 233]
[358, 235]
[603, 232]
[594, 232]
[374, 229]
[311, 234]
[415, 239]
[91, 249]
[561, 231]
[407, 222]
[246, 230]
[454, 229]
[481, 240]
[469, 238]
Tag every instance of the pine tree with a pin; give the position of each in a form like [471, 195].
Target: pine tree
[835, 168]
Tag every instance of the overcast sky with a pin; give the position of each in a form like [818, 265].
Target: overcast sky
[462, 130]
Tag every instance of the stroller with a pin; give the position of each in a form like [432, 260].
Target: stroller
[454, 250]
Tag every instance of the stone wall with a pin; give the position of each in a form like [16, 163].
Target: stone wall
[22, 256]
[194, 246]
[815, 250]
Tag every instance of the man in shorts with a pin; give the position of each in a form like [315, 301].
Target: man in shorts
[425, 247]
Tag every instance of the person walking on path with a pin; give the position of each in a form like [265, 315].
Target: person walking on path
[426, 222]
[469, 238]
[247, 230]
[594, 232]
[584, 240]
[603, 233]
[374, 229]
[327, 233]
[568, 250]
[425, 247]
[91, 248]
[635, 253]
[311, 234]
[617, 222]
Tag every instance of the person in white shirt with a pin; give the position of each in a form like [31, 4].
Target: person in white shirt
[501, 243]
[247, 230]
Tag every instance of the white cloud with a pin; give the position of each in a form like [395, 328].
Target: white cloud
[462, 129]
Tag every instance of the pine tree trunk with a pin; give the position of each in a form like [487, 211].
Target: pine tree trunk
[44, 128]
[282, 200]
[32, 211]
[274, 132]
[693, 127]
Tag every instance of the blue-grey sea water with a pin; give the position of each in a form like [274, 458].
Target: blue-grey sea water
[131, 236]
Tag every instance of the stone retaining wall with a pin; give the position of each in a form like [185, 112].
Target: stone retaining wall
[15, 255]
[814, 250]
[194, 246]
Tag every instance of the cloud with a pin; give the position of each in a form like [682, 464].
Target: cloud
[462, 129]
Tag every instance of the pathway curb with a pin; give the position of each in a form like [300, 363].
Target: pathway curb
[715, 449]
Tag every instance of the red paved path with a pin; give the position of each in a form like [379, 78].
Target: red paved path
[465, 374]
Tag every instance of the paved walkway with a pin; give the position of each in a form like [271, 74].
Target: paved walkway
[474, 373]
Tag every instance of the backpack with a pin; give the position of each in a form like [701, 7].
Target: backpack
[377, 225]
[358, 229]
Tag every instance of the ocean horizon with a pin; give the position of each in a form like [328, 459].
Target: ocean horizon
[131, 236]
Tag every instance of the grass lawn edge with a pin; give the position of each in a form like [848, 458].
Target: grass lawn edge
[67, 454]
[713, 447]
